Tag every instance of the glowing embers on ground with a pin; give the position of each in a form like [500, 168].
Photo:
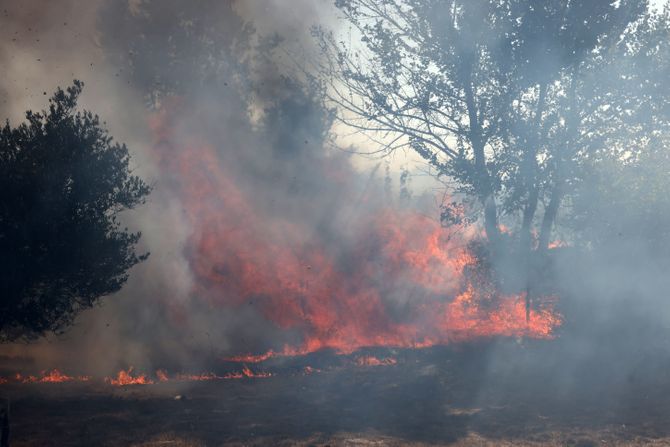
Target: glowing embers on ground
[246, 372]
[125, 377]
[181, 377]
[385, 277]
[369, 360]
[309, 370]
[128, 377]
[52, 376]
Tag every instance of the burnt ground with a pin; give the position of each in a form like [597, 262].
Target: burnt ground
[496, 394]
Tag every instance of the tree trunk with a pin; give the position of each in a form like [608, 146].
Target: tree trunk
[526, 249]
[551, 211]
[528, 216]
[491, 221]
[486, 193]
[530, 175]
[549, 218]
[530, 164]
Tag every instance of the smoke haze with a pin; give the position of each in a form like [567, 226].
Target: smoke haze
[201, 93]
[153, 82]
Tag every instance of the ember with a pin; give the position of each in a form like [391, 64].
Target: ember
[197, 377]
[124, 378]
[246, 372]
[53, 376]
[374, 361]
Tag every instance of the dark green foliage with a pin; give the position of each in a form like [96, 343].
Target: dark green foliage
[63, 182]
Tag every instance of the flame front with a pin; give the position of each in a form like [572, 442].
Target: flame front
[125, 377]
[394, 278]
[397, 279]
[53, 376]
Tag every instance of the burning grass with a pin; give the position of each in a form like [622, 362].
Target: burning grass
[52, 376]
[125, 377]
[428, 397]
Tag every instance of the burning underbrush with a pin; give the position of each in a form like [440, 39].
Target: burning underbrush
[126, 377]
[343, 277]
[229, 370]
[273, 367]
[52, 376]
[299, 279]
[507, 392]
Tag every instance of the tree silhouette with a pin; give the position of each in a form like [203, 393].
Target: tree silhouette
[63, 182]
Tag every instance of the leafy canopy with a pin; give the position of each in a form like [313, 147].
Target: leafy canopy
[63, 182]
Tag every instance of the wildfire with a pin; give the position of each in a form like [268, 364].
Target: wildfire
[402, 281]
[246, 372]
[53, 376]
[124, 378]
[250, 358]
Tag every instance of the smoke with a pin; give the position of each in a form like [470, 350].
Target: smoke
[174, 82]
[109, 45]
[201, 91]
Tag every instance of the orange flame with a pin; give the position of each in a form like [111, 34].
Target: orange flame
[249, 358]
[124, 378]
[246, 372]
[53, 376]
[402, 283]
